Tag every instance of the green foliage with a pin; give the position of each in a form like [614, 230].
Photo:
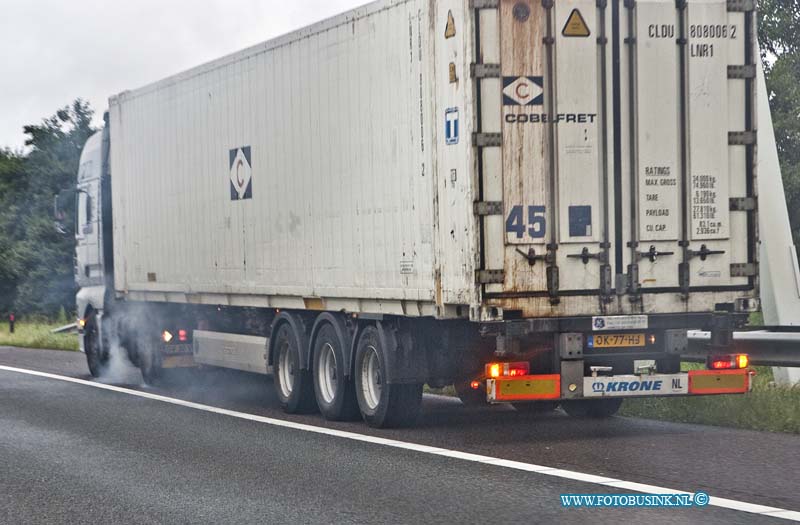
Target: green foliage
[779, 38]
[36, 275]
[768, 407]
[31, 333]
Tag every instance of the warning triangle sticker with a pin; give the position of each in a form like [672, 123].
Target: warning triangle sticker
[576, 25]
[450, 30]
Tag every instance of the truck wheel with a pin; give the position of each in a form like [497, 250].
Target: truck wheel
[596, 408]
[382, 404]
[469, 396]
[536, 407]
[335, 393]
[149, 365]
[96, 357]
[293, 385]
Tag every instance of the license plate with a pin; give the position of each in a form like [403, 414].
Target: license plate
[177, 361]
[616, 340]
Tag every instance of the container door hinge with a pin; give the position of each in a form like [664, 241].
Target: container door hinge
[483, 4]
[633, 279]
[741, 138]
[487, 140]
[605, 280]
[745, 71]
[553, 284]
[743, 203]
[684, 277]
[484, 208]
[490, 276]
[744, 269]
[484, 70]
[741, 6]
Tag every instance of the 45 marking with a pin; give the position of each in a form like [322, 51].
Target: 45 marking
[535, 226]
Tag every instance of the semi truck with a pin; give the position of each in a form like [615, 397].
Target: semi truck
[532, 201]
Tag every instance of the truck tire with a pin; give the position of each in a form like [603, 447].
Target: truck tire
[594, 408]
[150, 367]
[96, 355]
[293, 385]
[335, 393]
[536, 407]
[382, 405]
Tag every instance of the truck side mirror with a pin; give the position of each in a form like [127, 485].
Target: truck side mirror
[62, 202]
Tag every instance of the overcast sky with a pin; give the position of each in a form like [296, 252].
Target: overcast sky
[54, 51]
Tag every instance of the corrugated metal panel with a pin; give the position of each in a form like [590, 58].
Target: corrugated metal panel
[336, 126]
[362, 152]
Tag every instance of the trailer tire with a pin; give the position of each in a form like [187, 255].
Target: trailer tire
[293, 385]
[594, 408]
[150, 367]
[382, 405]
[96, 355]
[335, 392]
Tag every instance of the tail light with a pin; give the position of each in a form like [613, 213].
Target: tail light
[728, 362]
[521, 368]
[182, 336]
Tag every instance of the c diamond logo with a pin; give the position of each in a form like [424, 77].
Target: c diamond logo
[241, 173]
[523, 91]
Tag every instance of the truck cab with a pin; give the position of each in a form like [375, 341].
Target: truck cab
[92, 235]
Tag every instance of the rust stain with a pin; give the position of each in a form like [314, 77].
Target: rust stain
[525, 154]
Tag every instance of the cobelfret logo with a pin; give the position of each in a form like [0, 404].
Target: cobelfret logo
[241, 173]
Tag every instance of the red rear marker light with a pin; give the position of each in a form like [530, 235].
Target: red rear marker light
[475, 385]
[182, 336]
[521, 368]
[728, 362]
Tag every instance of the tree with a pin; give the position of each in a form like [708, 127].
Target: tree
[36, 274]
[779, 38]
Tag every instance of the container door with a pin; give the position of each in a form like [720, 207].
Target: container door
[690, 144]
[554, 178]
[627, 149]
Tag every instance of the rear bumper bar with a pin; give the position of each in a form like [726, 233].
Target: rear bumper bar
[548, 387]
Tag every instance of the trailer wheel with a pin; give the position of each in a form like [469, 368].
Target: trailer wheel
[96, 356]
[150, 366]
[595, 408]
[335, 392]
[536, 407]
[382, 404]
[293, 385]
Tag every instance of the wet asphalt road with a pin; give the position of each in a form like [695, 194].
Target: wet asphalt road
[70, 453]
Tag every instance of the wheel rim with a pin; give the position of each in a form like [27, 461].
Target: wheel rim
[372, 378]
[326, 373]
[285, 371]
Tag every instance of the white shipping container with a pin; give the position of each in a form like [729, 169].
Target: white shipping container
[482, 159]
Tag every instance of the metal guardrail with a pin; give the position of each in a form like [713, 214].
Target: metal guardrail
[769, 347]
[66, 328]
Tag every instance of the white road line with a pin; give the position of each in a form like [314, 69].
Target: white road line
[725, 503]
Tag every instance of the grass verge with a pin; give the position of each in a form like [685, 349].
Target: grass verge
[33, 334]
[768, 407]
